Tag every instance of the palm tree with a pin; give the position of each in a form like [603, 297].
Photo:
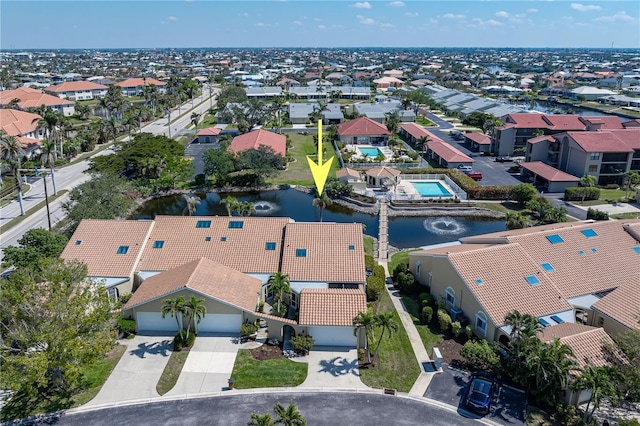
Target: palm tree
[48, 157]
[550, 365]
[587, 181]
[245, 208]
[289, 416]
[113, 125]
[195, 117]
[387, 323]
[175, 308]
[192, 204]
[231, 203]
[601, 381]
[523, 328]
[261, 420]
[423, 143]
[515, 220]
[632, 179]
[280, 285]
[367, 321]
[195, 310]
[13, 152]
[321, 202]
[392, 120]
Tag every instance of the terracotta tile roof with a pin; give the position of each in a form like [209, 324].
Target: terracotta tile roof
[630, 137]
[564, 122]
[243, 249]
[100, 241]
[607, 122]
[415, 130]
[273, 317]
[362, 126]
[333, 252]
[205, 277]
[542, 138]
[209, 131]
[254, 139]
[28, 143]
[347, 172]
[137, 82]
[588, 343]
[527, 121]
[335, 307]
[449, 153]
[75, 86]
[602, 141]
[383, 172]
[549, 173]
[478, 138]
[623, 303]
[502, 289]
[18, 123]
[31, 98]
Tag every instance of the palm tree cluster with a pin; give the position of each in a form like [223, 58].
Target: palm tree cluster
[192, 311]
[242, 208]
[12, 154]
[285, 416]
[280, 286]
[385, 322]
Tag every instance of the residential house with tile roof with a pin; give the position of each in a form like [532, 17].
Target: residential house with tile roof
[208, 135]
[363, 131]
[32, 98]
[24, 127]
[556, 272]
[78, 90]
[135, 86]
[256, 138]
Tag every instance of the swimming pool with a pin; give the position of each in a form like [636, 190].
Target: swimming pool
[371, 152]
[431, 189]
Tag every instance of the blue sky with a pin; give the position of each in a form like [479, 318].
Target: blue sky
[303, 23]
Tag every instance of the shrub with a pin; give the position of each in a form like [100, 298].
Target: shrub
[406, 282]
[375, 287]
[576, 193]
[597, 214]
[200, 179]
[261, 306]
[425, 298]
[400, 268]
[612, 186]
[468, 331]
[479, 354]
[444, 319]
[427, 314]
[126, 326]
[378, 271]
[183, 341]
[523, 193]
[124, 298]
[302, 343]
[456, 328]
[369, 262]
[248, 328]
[628, 422]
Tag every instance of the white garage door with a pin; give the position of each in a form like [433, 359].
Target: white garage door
[220, 323]
[153, 321]
[333, 336]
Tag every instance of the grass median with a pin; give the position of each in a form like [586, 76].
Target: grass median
[13, 222]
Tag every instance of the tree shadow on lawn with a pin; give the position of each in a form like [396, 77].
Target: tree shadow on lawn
[163, 348]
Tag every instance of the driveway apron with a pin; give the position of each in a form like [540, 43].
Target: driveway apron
[138, 371]
[208, 366]
[333, 367]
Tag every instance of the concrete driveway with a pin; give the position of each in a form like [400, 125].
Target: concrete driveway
[333, 367]
[208, 366]
[138, 371]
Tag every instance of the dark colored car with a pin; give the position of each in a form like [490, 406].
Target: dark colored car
[389, 280]
[503, 159]
[369, 271]
[475, 175]
[480, 395]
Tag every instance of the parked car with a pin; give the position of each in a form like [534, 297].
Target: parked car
[458, 137]
[503, 159]
[464, 168]
[475, 175]
[369, 271]
[389, 280]
[480, 395]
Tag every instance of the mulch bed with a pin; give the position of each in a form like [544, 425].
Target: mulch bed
[266, 352]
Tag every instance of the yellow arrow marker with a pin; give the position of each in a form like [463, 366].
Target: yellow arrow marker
[320, 171]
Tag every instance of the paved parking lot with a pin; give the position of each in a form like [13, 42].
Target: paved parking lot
[451, 386]
[196, 150]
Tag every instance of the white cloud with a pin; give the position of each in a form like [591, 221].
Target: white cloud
[317, 19]
[172, 18]
[493, 23]
[365, 21]
[433, 21]
[245, 14]
[385, 25]
[502, 14]
[532, 10]
[584, 7]
[260, 24]
[452, 16]
[620, 16]
[322, 27]
[396, 4]
[296, 23]
[411, 14]
[362, 5]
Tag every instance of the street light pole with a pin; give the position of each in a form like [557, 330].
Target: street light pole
[46, 198]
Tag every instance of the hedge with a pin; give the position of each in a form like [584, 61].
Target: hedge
[576, 193]
[375, 287]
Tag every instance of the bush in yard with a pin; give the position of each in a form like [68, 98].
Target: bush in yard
[444, 319]
[468, 331]
[401, 268]
[126, 326]
[425, 298]
[200, 179]
[597, 214]
[406, 282]
[378, 271]
[577, 192]
[375, 286]
[523, 193]
[479, 354]
[369, 261]
[456, 328]
[248, 328]
[427, 314]
[302, 343]
[183, 341]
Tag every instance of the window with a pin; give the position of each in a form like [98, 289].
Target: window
[158, 244]
[601, 321]
[301, 252]
[589, 233]
[593, 168]
[418, 269]
[236, 224]
[547, 267]
[481, 322]
[113, 293]
[123, 249]
[451, 296]
[78, 242]
[532, 280]
[555, 239]
[270, 246]
[203, 224]
[594, 156]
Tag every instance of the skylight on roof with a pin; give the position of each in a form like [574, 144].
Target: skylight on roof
[581, 252]
[270, 246]
[589, 233]
[78, 242]
[158, 244]
[594, 250]
[637, 249]
[301, 252]
[544, 322]
[479, 281]
[207, 238]
[123, 249]
[236, 224]
[557, 319]
[203, 224]
[547, 267]
[352, 247]
[555, 239]
[532, 279]
[223, 238]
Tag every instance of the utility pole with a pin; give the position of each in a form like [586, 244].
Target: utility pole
[46, 195]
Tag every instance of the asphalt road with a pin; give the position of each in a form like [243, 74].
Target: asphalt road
[319, 409]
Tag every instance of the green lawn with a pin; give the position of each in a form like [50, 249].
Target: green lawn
[251, 373]
[396, 259]
[368, 245]
[208, 121]
[96, 374]
[425, 122]
[606, 196]
[429, 338]
[398, 368]
[298, 172]
[171, 371]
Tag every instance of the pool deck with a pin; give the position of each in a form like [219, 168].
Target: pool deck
[406, 189]
[388, 153]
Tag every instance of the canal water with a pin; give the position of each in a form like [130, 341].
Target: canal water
[404, 232]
